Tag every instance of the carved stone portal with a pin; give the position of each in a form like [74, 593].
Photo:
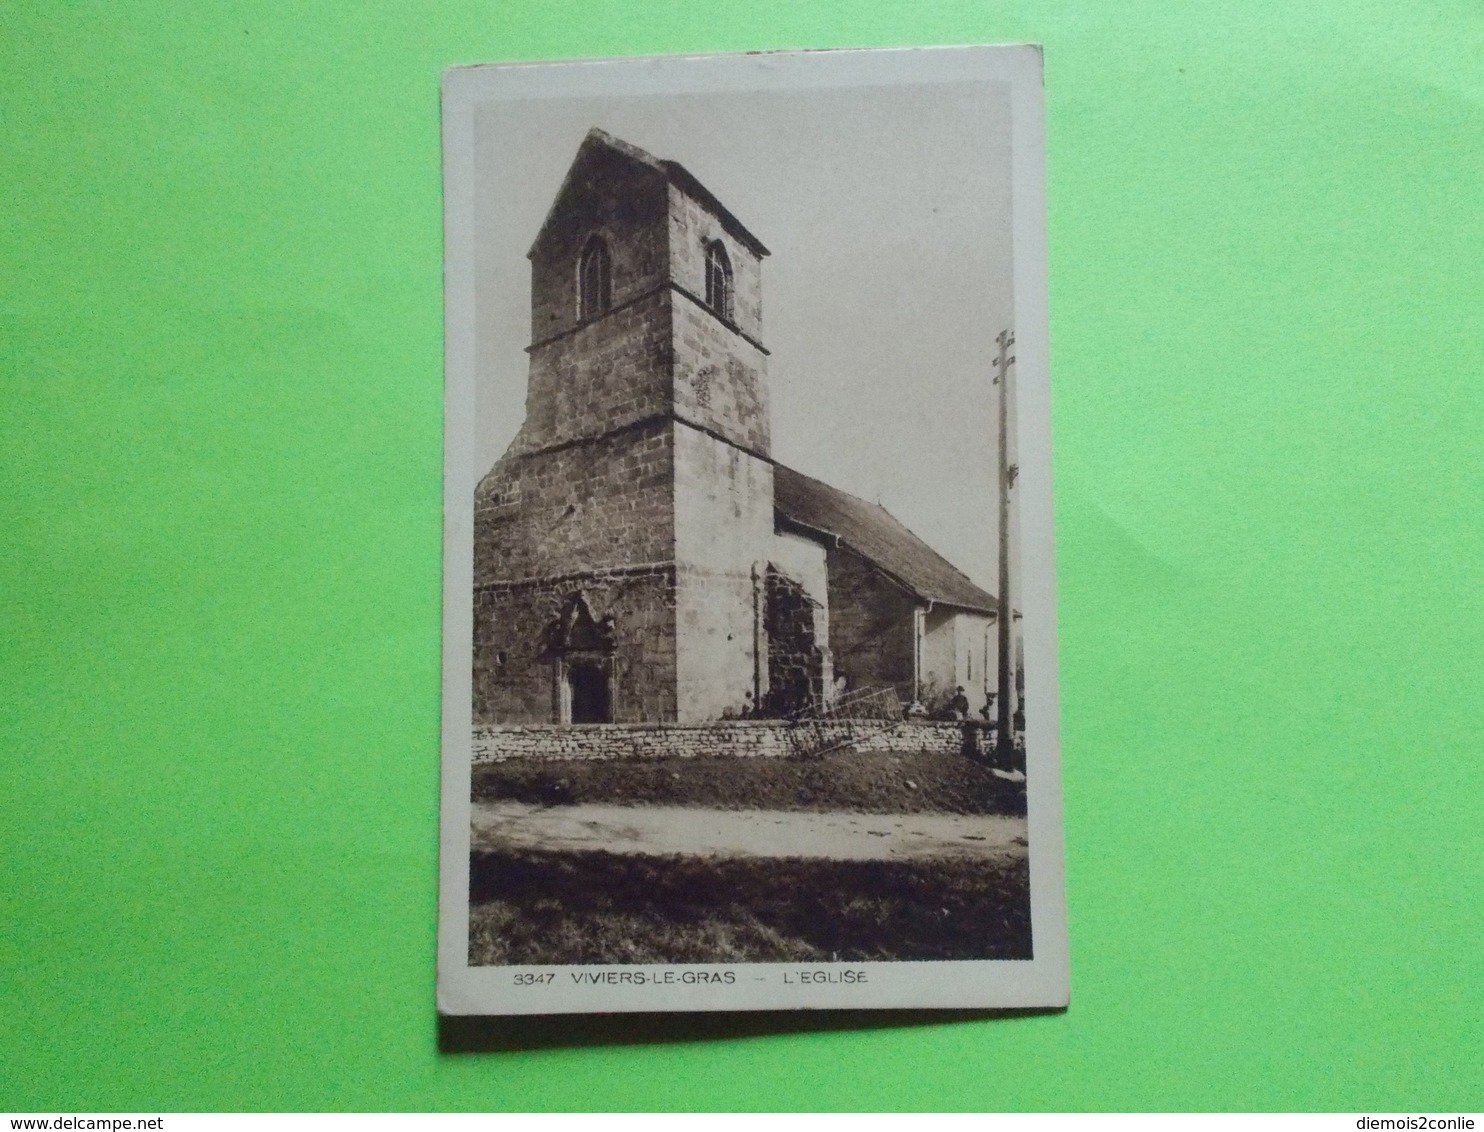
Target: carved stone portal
[580, 649]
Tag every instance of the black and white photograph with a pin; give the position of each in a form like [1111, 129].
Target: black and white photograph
[749, 659]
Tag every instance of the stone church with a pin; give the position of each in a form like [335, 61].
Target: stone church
[639, 555]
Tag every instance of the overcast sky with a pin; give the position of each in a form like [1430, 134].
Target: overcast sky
[887, 212]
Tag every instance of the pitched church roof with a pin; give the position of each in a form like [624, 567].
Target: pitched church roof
[875, 534]
[672, 171]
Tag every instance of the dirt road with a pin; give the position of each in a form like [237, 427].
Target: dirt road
[658, 830]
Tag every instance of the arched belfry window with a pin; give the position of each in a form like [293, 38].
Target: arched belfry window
[718, 280]
[594, 280]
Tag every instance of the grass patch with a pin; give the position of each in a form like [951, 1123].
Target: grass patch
[872, 782]
[563, 908]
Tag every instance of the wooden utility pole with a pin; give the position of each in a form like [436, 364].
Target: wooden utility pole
[1004, 727]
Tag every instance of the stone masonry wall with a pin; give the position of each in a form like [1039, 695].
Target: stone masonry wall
[515, 683]
[611, 372]
[723, 529]
[720, 378]
[595, 517]
[590, 506]
[804, 560]
[795, 658]
[715, 668]
[726, 739]
[871, 625]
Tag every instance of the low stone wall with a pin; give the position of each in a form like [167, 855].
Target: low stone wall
[726, 738]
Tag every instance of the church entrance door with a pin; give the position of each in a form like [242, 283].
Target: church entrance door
[581, 652]
[588, 684]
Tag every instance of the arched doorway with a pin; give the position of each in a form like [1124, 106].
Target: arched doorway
[580, 648]
[587, 685]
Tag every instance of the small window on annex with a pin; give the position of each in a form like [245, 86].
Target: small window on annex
[594, 280]
[718, 280]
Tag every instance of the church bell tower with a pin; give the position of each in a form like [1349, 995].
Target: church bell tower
[639, 489]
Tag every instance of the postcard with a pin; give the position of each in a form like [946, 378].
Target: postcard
[749, 688]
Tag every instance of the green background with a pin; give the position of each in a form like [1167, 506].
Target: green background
[220, 584]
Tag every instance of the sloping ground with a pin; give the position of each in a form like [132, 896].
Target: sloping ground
[537, 908]
[870, 782]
